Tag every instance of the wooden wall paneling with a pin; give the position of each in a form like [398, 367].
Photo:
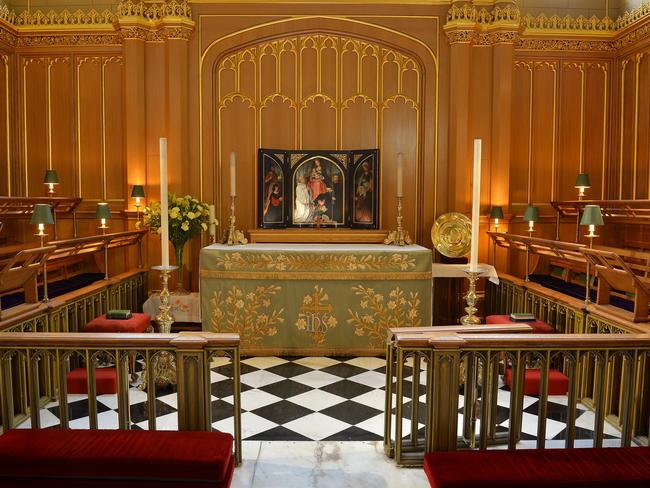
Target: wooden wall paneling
[522, 113]
[626, 162]
[5, 125]
[596, 107]
[643, 129]
[91, 155]
[34, 98]
[572, 125]
[543, 161]
[61, 121]
[113, 135]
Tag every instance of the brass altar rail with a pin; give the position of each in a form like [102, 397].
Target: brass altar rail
[412, 344]
[33, 369]
[481, 355]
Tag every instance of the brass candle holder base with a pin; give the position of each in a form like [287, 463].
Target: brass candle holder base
[164, 364]
[234, 237]
[471, 298]
[399, 237]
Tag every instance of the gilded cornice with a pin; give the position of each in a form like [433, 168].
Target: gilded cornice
[155, 22]
[467, 24]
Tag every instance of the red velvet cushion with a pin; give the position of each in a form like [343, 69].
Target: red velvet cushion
[534, 468]
[97, 457]
[139, 322]
[105, 381]
[538, 326]
[558, 383]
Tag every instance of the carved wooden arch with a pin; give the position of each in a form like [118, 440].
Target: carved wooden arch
[212, 161]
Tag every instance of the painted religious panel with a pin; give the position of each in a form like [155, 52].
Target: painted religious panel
[318, 188]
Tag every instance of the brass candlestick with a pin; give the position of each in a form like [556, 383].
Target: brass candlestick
[471, 298]
[400, 236]
[164, 366]
[234, 236]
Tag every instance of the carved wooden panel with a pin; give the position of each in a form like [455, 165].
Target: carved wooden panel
[319, 91]
[71, 118]
[6, 127]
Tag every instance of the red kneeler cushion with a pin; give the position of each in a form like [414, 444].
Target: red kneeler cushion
[105, 381]
[139, 322]
[558, 383]
[627, 467]
[115, 458]
[538, 326]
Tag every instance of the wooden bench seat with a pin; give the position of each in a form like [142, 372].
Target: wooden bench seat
[115, 458]
[537, 468]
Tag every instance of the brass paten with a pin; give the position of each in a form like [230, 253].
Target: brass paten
[452, 234]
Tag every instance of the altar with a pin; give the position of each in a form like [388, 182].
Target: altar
[314, 298]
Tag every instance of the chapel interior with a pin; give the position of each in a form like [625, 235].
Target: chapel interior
[329, 243]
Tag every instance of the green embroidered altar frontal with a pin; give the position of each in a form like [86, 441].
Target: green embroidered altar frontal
[314, 298]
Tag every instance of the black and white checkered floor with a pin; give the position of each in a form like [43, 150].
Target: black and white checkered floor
[307, 398]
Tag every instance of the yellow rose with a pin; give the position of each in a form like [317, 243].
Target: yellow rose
[185, 226]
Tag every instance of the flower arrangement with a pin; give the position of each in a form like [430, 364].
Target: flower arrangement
[187, 217]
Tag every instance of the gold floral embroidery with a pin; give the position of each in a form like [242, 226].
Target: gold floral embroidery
[379, 315]
[248, 314]
[315, 262]
[316, 315]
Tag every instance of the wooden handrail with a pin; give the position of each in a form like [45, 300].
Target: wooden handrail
[53, 340]
[542, 341]
[614, 211]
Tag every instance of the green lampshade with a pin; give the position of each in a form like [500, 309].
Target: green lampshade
[103, 212]
[51, 177]
[42, 214]
[592, 216]
[497, 213]
[583, 181]
[531, 214]
[138, 191]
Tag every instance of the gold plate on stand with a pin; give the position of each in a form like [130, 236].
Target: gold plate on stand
[452, 234]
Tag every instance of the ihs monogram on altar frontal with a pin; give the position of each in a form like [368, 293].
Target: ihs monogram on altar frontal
[315, 315]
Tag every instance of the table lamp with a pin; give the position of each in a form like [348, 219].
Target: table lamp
[582, 183]
[42, 215]
[103, 213]
[51, 179]
[137, 192]
[496, 214]
[531, 216]
[592, 216]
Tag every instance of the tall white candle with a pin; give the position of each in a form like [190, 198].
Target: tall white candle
[212, 227]
[233, 174]
[476, 206]
[164, 204]
[400, 175]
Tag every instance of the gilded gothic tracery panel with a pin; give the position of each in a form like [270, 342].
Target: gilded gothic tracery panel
[320, 91]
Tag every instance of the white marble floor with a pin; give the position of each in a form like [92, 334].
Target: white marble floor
[321, 464]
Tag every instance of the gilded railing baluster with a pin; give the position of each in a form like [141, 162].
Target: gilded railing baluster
[122, 360]
[494, 393]
[7, 391]
[516, 398]
[486, 399]
[543, 400]
[151, 389]
[399, 403]
[92, 389]
[628, 387]
[428, 403]
[62, 368]
[572, 398]
[34, 393]
[388, 402]
[415, 400]
[237, 403]
[602, 359]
